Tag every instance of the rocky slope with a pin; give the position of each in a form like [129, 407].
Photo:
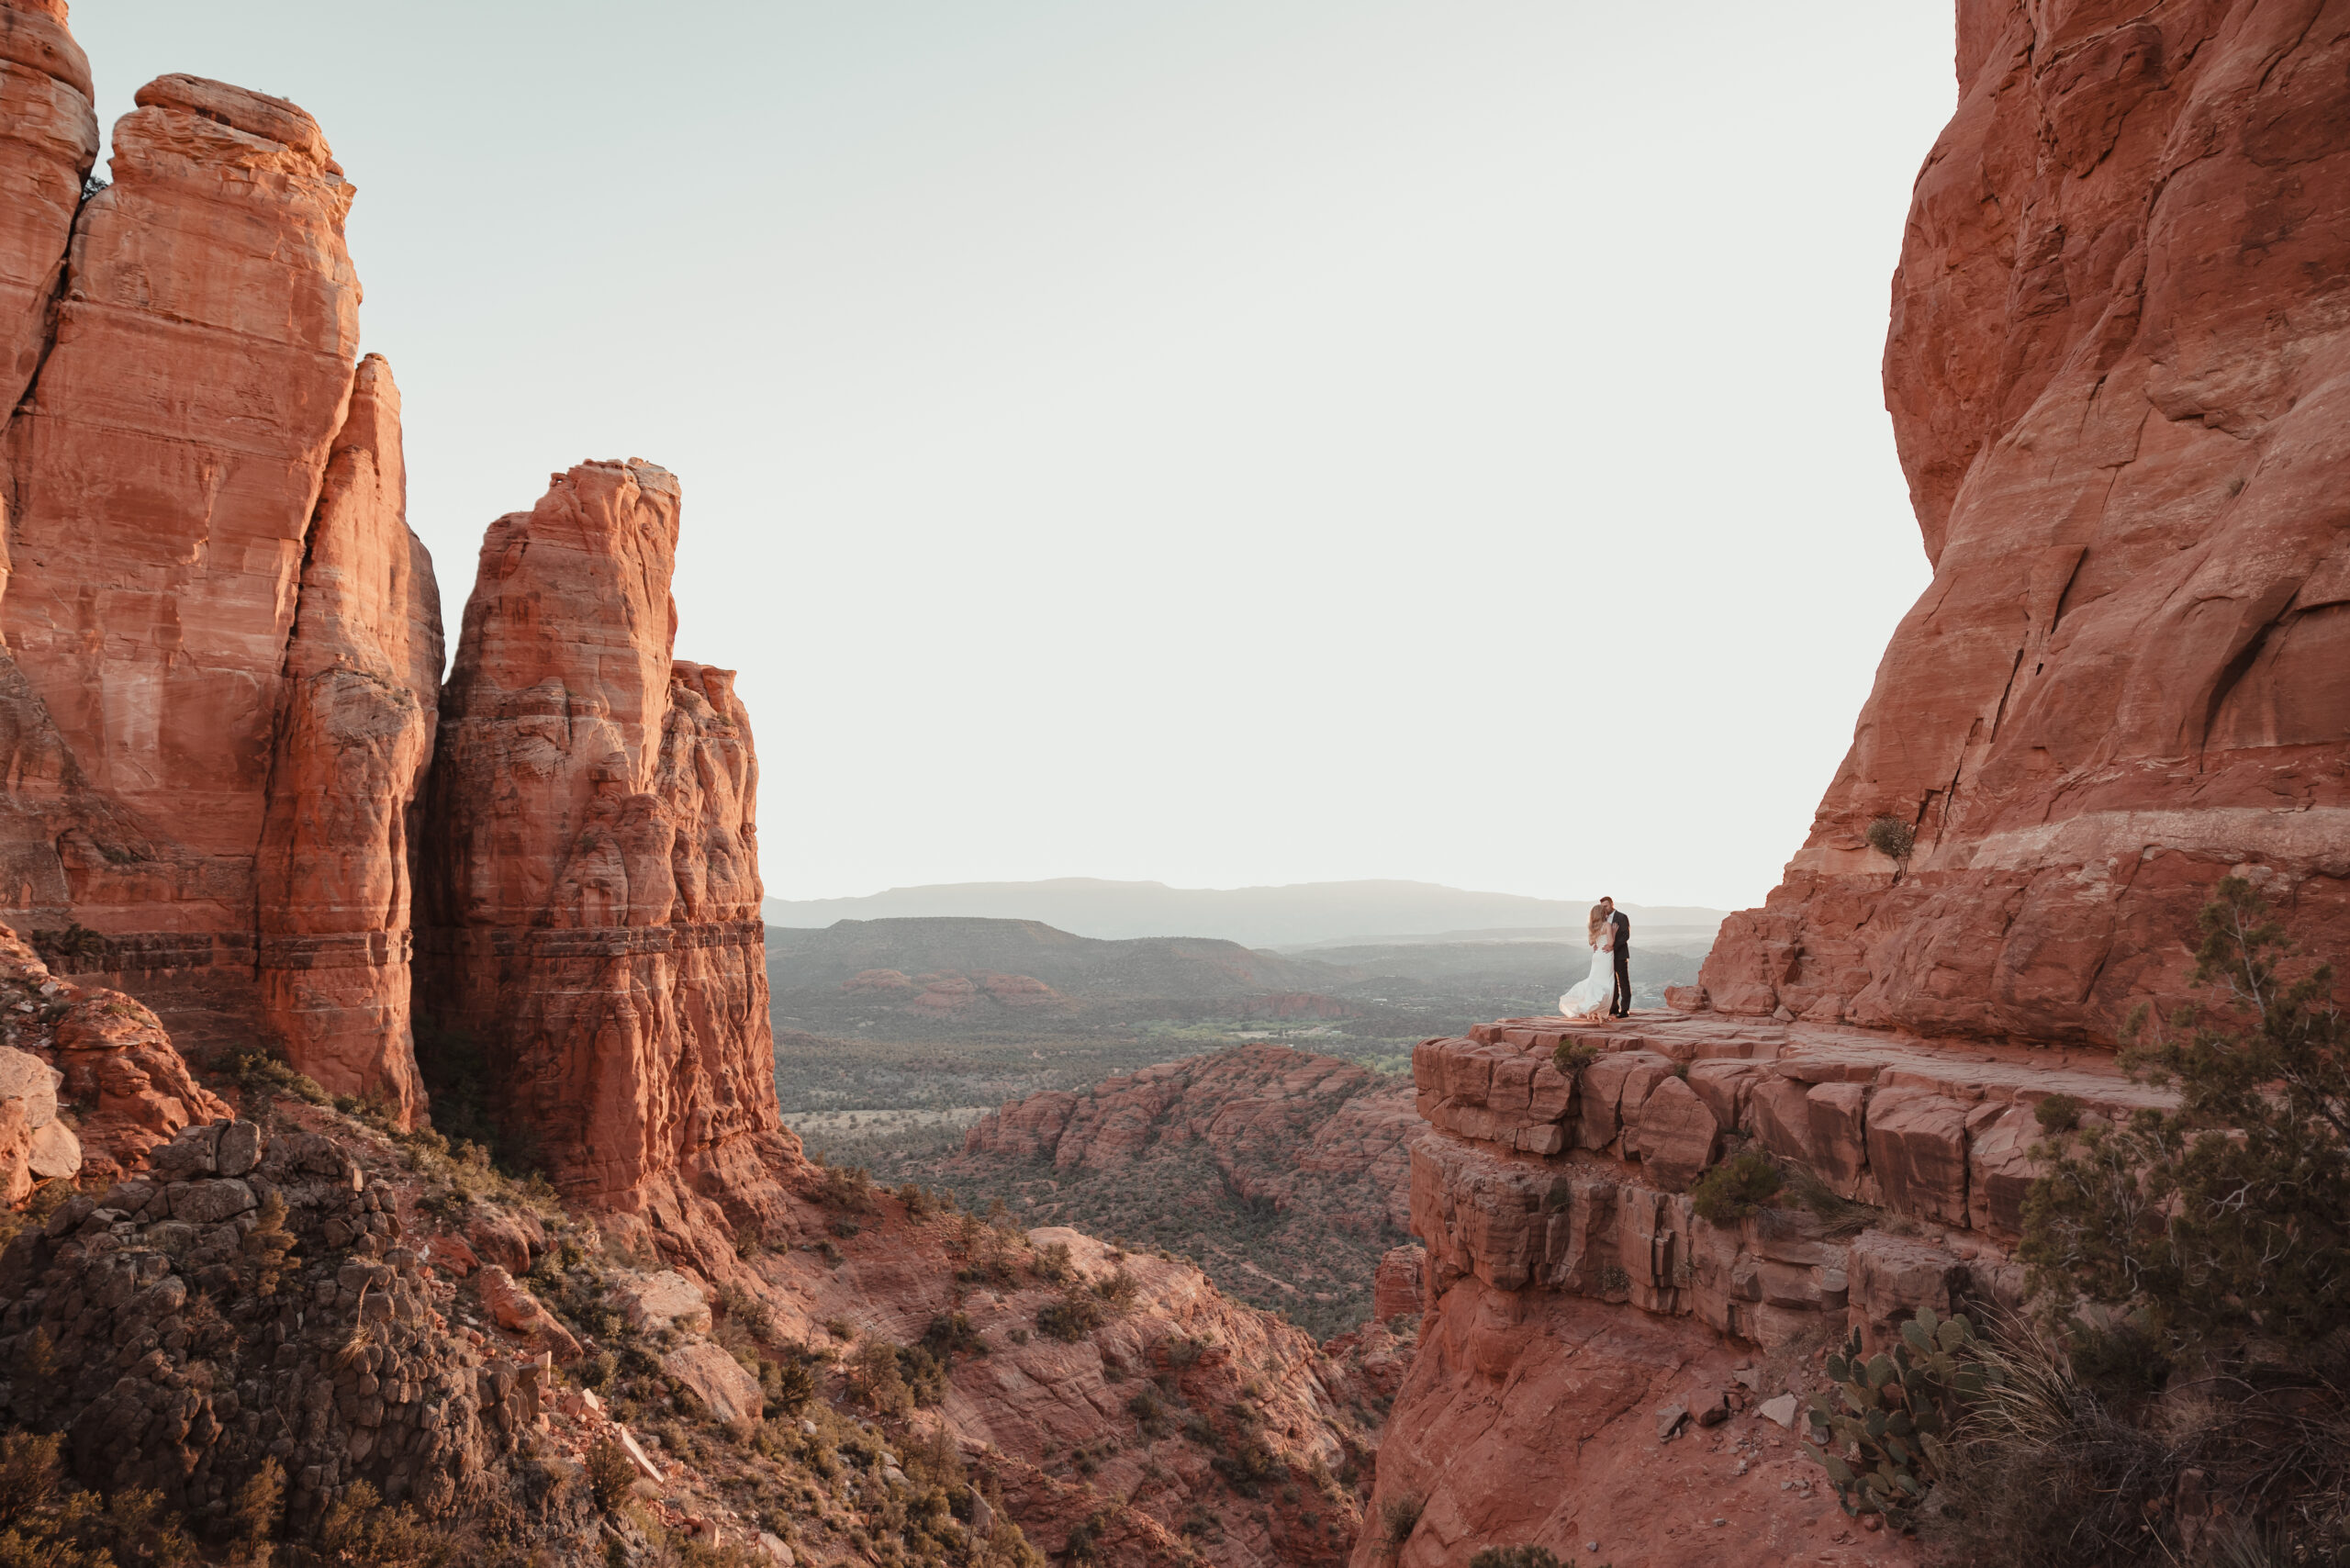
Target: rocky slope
[590, 872]
[2118, 373]
[220, 659]
[1285, 1174]
[362, 1303]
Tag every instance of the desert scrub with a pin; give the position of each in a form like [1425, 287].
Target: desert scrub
[610, 1472]
[1400, 1517]
[1571, 1057]
[2057, 1113]
[1517, 1557]
[2227, 1220]
[262, 1077]
[1738, 1188]
[1074, 1314]
[1891, 838]
[847, 1187]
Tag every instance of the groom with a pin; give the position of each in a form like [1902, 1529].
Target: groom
[1623, 1006]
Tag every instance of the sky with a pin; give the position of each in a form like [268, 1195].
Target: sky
[1221, 442]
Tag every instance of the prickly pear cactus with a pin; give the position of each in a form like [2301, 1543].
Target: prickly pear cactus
[1885, 1450]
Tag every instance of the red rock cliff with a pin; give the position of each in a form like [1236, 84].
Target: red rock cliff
[591, 872]
[2120, 378]
[216, 698]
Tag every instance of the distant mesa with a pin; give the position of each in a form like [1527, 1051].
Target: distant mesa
[1303, 915]
[951, 991]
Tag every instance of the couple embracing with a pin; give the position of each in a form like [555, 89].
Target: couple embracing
[1606, 991]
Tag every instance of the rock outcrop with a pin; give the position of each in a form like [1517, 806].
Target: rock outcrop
[272, 1255]
[218, 688]
[1567, 1266]
[89, 1080]
[2118, 370]
[590, 873]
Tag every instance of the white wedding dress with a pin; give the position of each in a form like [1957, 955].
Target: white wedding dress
[1595, 995]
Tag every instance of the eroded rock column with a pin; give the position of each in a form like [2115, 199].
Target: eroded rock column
[590, 873]
[362, 676]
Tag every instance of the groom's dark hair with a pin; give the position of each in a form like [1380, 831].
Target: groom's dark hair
[1604, 899]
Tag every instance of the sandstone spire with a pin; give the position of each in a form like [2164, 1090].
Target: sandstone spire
[363, 675]
[590, 878]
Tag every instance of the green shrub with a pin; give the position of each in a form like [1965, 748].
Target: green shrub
[1400, 1517]
[1570, 1056]
[2227, 1220]
[611, 1474]
[1738, 1188]
[361, 1530]
[788, 1387]
[952, 1332]
[2057, 1113]
[1072, 1314]
[1891, 838]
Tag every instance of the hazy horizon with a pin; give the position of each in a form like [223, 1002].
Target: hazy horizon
[1223, 444]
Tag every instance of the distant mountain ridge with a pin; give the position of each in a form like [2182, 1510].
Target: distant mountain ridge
[1297, 915]
[1080, 966]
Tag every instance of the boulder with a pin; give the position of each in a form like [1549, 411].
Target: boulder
[667, 1300]
[2001, 1171]
[1678, 1136]
[731, 1393]
[1917, 1146]
[1838, 1117]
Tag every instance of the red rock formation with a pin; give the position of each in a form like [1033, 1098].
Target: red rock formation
[2121, 386]
[590, 873]
[100, 1055]
[216, 698]
[1574, 1288]
[49, 140]
[362, 679]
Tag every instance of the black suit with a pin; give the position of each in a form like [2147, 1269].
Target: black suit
[1623, 963]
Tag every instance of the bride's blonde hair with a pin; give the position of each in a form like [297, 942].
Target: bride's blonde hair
[1598, 919]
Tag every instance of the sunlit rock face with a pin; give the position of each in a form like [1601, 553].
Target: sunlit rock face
[591, 872]
[223, 642]
[2117, 374]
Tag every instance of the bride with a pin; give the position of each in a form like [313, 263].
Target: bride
[1592, 995]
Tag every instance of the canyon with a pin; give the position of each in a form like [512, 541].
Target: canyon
[287, 896]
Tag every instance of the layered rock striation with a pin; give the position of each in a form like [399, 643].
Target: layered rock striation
[2118, 370]
[590, 874]
[223, 641]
